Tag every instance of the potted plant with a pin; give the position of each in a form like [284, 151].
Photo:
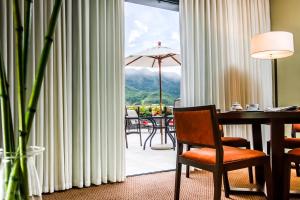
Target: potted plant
[15, 157]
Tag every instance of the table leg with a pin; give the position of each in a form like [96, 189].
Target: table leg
[153, 132]
[257, 145]
[277, 154]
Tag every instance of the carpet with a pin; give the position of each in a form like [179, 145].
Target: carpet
[160, 186]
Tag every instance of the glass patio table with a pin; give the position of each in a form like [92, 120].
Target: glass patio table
[160, 123]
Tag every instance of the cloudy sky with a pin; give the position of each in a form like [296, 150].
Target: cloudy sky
[145, 26]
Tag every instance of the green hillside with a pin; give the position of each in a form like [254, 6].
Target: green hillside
[142, 87]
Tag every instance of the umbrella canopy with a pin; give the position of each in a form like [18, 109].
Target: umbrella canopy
[151, 57]
[158, 56]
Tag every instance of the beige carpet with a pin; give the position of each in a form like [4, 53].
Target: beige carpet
[160, 186]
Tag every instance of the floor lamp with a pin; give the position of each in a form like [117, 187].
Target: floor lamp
[273, 45]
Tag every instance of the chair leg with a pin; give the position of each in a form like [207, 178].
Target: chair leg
[141, 142]
[217, 184]
[297, 169]
[177, 181]
[250, 170]
[267, 172]
[126, 140]
[140, 133]
[187, 173]
[226, 184]
[286, 180]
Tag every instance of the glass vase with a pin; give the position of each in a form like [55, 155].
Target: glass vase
[34, 186]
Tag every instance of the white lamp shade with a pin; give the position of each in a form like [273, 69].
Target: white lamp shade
[272, 45]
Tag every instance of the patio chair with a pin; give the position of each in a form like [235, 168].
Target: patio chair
[170, 123]
[133, 125]
[197, 126]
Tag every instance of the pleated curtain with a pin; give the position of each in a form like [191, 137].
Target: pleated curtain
[80, 115]
[216, 64]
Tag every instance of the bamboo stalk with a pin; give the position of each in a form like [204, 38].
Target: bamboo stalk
[23, 78]
[21, 97]
[14, 181]
[7, 128]
[27, 33]
[31, 109]
[6, 117]
[19, 68]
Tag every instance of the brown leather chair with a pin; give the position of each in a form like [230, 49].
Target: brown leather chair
[232, 142]
[197, 126]
[237, 142]
[290, 143]
[292, 156]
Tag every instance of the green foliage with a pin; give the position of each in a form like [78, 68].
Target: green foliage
[142, 87]
[150, 110]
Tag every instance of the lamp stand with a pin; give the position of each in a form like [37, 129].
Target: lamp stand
[275, 82]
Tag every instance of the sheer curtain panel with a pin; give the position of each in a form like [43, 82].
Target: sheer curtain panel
[80, 115]
[215, 47]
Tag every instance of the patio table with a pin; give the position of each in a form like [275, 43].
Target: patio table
[276, 120]
[156, 126]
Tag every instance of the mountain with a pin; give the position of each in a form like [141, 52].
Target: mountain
[142, 86]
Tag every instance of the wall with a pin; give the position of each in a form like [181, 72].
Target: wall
[285, 16]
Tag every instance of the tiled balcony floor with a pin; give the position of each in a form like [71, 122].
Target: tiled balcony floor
[139, 161]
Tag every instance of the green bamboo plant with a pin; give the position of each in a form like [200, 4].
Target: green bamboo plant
[16, 178]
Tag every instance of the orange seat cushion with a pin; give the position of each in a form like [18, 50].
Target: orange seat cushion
[234, 141]
[292, 143]
[231, 154]
[296, 127]
[295, 152]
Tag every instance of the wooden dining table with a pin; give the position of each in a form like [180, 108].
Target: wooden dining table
[276, 120]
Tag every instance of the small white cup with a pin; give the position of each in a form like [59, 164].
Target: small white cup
[236, 106]
[252, 107]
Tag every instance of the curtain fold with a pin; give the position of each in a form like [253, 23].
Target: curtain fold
[215, 46]
[80, 113]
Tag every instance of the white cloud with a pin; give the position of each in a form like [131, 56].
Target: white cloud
[175, 36]
[134, 34]
[145, 26]
[141, 26]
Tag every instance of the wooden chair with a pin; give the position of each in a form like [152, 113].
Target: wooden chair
[232, 142]
[197, 126]
[237, 142]
[292, 156]
[290, 143]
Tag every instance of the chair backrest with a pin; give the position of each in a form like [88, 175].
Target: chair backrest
[198, 126]
[177, 103]
[132, 113]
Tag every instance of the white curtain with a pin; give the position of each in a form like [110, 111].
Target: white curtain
[215, 46]
[81, 108]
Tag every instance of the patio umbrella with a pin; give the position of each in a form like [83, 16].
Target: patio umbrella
[158, 56]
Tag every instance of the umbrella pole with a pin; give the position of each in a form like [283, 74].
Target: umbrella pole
[160, 99]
